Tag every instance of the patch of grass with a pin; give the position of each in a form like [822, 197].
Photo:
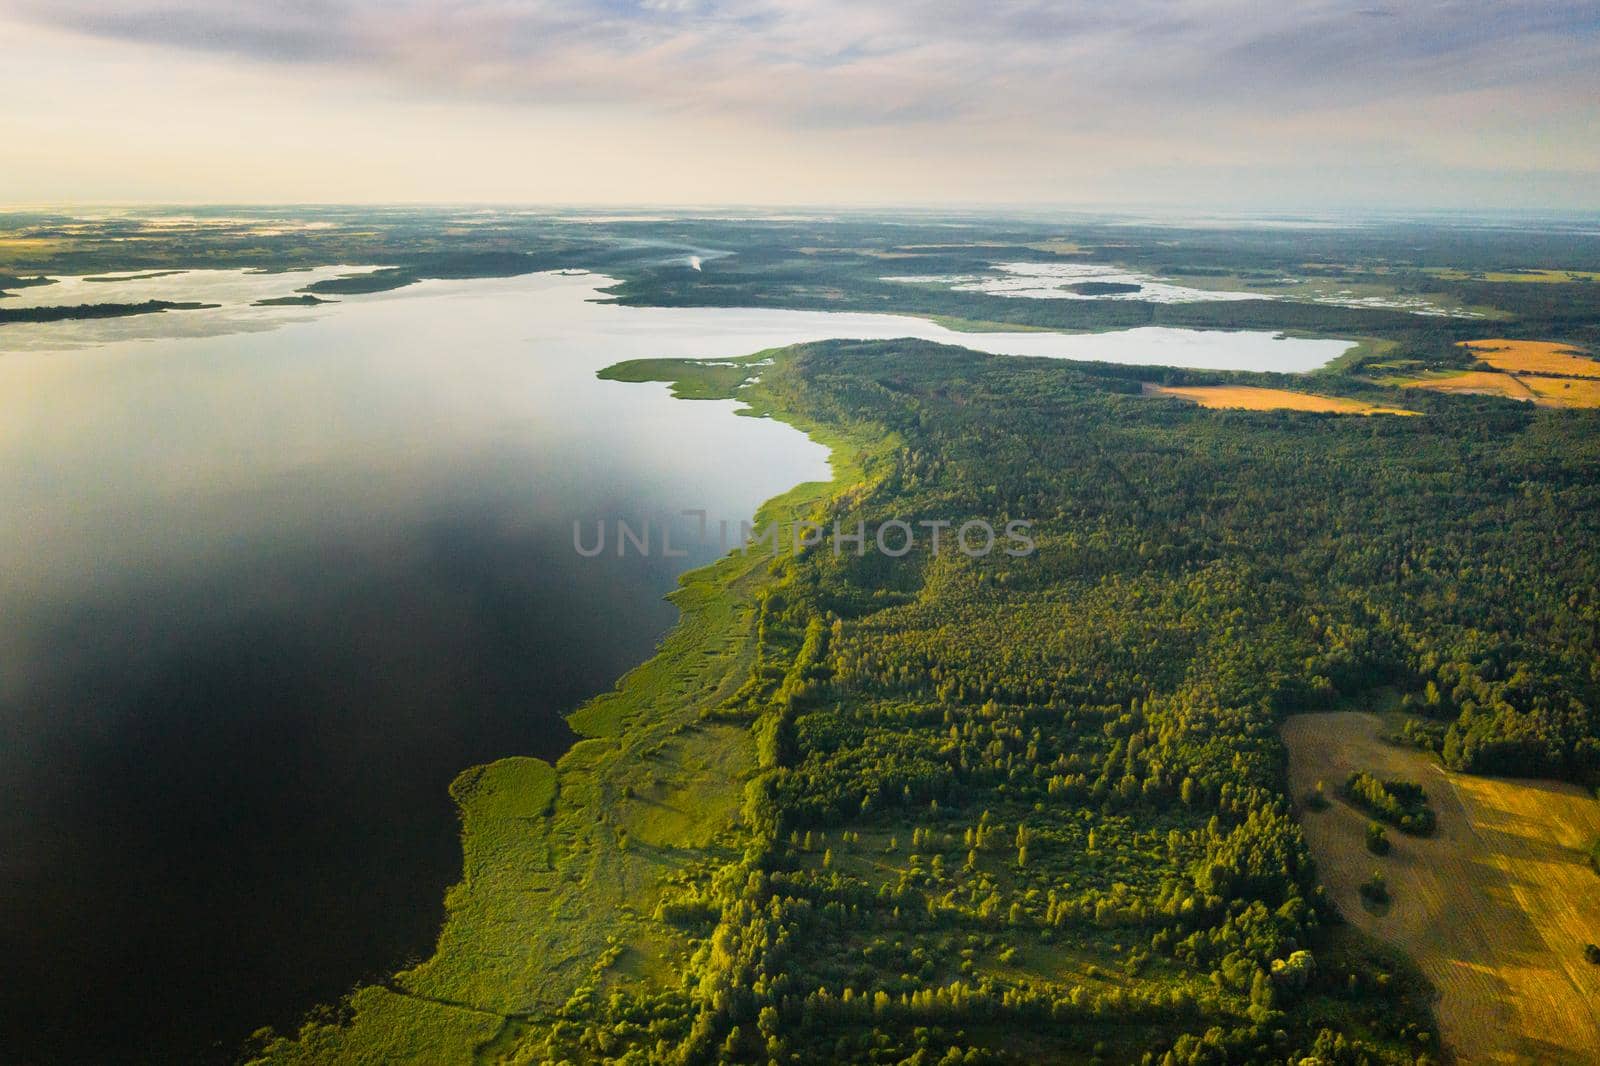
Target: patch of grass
[384, 1027]
[691, 379]
[1366, 352]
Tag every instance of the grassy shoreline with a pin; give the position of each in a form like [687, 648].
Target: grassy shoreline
[564, 865]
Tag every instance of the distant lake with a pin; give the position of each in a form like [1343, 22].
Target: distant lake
[273, 576]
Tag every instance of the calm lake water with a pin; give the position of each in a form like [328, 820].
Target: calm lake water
[272, 577]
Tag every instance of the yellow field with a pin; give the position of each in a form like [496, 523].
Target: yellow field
[1530, 388]
[1533, 357]
[1564, 392]
[1495, 907]
[1477, 382]
[1250, 398]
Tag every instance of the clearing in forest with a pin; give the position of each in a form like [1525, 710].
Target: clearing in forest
[1252, 398]
[1529, 388]
[1495, 906]
[1533, 357]
[1477, 383]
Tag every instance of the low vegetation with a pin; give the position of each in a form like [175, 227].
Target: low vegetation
[1377, 839]
[691, 379]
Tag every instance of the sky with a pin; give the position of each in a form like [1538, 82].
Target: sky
[1231, 104]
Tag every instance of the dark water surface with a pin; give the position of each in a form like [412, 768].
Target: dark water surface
[263, 596]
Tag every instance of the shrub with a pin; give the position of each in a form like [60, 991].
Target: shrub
[1377, 839]
[1374, 889]
[1400, 803]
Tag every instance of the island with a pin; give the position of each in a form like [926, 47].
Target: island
[79, 311]
[302, 300]
[1104, 288]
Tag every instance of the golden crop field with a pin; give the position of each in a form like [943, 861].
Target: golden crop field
[1533, 357]
[1477, 382]
[1564, 392]
[1495, 907]
[1251, 398]
[1530, 388]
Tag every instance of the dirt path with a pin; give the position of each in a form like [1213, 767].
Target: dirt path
[1495, 907]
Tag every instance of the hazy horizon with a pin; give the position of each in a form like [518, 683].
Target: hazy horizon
[1221, 106]
[1198, 215]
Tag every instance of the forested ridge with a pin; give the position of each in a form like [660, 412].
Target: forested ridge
[1033, 809]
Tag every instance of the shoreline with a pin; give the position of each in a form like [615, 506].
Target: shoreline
[563, 864]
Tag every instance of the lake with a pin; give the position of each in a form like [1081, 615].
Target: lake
[274, 576]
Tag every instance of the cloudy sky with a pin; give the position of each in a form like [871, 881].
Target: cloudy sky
[1223, 103]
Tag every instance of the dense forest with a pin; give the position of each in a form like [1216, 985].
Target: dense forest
[1033, 809]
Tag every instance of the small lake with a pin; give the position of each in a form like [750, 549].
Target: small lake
[273, 576]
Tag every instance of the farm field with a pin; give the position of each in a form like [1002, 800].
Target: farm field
[1495, 907]
[1533, 357]
[1475, 383]
[1529, 388]
[1564, 392]
[1252, 398]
